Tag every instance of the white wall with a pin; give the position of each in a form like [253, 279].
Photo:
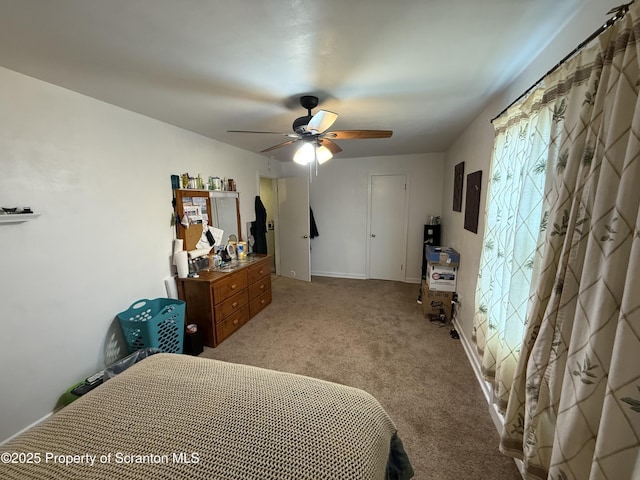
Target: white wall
[339, 198]
[475, 144]
[100, 178]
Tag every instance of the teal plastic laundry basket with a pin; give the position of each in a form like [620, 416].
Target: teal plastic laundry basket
[157, 323]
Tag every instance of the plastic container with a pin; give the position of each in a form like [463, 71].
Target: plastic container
[126, 362]
[157, 323]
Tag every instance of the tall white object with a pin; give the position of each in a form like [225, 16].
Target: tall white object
[182, 263]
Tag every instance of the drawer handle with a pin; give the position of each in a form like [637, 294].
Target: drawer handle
[260, 271]
[235, 322]
[234, 304]
[262, 287]
[262, 301]
[233, 287]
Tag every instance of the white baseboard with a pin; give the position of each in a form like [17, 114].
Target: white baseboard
[497, 417]
[474, 360]
[26, 428]
[339, 275]
[356, 276]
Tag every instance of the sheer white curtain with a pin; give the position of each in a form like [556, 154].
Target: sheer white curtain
[512, 239]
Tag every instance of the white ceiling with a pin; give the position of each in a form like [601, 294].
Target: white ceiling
[422, 68]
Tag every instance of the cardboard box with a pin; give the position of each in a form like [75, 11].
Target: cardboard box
[440, 278]
[435, 302]
[445, 256]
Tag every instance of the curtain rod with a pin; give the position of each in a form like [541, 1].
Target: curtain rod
[619, 13]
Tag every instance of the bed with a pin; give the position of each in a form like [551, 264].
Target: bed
[180, 417]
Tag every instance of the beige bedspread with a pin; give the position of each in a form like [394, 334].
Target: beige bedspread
[180, 417]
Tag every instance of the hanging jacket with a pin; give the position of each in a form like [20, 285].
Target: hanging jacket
[259, 227]
[313, 229]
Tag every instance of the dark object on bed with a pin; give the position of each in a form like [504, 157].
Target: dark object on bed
[182, 417]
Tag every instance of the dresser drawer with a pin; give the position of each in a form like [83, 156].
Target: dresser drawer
[259, 270]
[258, 288]
[231, 323]
[230, 305]
[228, 286]
[259, 303]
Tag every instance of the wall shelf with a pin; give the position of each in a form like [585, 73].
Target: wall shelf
[212, 193]
[18, 217]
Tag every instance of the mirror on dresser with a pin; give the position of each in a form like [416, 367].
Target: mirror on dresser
[225, 208]
[219, 209]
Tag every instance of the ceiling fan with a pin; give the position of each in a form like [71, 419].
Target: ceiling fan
[313, 133]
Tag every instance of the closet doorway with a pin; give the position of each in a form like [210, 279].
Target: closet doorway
[268, 197]
[388, 222]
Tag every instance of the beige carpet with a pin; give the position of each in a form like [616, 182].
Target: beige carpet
[371, 334]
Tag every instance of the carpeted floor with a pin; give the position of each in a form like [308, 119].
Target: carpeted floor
[371, 334]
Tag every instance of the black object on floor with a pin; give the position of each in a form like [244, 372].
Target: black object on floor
[193, 343]
[454, 333]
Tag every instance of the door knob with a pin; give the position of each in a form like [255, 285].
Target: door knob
[305, 236]
[373, 235]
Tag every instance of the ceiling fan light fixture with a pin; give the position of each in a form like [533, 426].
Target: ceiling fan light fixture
[323, 154]
[305, 154]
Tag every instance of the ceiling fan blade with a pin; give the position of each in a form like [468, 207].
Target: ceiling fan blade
[283, 144]
[332, 147]
[321, 121]
[271, 133]
[357, 134]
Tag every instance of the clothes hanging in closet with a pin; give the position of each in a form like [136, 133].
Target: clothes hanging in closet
[259, 227]
[313, 229]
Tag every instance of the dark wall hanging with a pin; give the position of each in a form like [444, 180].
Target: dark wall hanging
[472, 206]
[458, 180]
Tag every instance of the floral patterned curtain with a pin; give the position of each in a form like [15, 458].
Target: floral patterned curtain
[574, 408]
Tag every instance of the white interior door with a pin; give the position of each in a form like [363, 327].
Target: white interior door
[388, 227]
[293, 228]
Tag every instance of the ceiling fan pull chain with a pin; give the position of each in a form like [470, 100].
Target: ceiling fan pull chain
[315, 157]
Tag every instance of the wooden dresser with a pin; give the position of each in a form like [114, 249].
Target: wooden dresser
[221, 301]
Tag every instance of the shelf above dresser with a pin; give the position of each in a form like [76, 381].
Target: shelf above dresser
[18, 217]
